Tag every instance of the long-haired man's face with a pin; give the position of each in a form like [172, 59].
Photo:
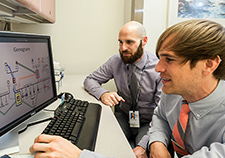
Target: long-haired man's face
[129, 57]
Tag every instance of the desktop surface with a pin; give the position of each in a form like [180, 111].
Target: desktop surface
[110, 141]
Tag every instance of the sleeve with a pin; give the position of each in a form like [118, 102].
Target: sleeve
[158, 91]
[160, 130]
[90, 154]
[157, 81]
[144, 140]
[215, 150]
[93, 82]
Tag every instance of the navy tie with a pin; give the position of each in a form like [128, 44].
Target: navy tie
[133, 86]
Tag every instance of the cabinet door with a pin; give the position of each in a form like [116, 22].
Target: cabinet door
[43, 8]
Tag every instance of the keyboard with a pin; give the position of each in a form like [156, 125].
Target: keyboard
[76, 121]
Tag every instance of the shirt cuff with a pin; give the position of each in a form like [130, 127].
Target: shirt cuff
[99, 93]
[144, 142]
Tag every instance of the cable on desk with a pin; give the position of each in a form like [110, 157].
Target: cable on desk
[34, 123]
[63, 96]
[49, 110]
[5, 156]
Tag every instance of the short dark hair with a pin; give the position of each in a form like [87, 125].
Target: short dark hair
[195, 40]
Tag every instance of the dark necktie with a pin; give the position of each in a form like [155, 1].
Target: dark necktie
[179, 130]
[133, 86]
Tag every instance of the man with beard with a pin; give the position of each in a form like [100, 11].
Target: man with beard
[132, 40]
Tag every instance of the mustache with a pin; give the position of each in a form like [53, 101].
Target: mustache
[125, 51]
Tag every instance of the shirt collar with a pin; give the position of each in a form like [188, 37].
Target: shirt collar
[204, 106]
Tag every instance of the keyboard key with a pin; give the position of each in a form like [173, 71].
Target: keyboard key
[69, 120]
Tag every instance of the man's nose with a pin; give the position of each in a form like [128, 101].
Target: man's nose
[160, 67]
[123, 47]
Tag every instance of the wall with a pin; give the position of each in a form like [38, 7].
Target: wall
[154, 20]
[85, 33]
[127, 10]
[85, 39]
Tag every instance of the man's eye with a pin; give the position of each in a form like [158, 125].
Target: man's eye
[129, 42]
[169, 59]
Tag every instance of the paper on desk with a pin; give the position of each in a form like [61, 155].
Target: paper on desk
[22, 156]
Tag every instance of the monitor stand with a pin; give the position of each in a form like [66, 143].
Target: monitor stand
[9, 143]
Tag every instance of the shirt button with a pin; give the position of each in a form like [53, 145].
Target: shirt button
[198, 115]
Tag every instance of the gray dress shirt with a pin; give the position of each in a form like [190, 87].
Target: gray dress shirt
[205, 133]
[115, 69]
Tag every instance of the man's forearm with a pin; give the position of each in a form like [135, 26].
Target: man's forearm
[159, 150]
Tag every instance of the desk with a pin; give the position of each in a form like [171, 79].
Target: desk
[110, 140]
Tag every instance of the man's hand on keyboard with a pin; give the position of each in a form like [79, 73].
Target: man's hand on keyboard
[54, 146]
[111, 98]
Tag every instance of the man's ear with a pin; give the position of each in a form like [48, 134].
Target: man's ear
[211, 65]
[145, 40]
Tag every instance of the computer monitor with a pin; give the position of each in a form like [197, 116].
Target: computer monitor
[27, 83]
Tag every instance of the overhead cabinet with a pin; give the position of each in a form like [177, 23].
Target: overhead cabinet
[27, 11]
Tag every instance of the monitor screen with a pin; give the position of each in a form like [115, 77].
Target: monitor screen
[27, 83]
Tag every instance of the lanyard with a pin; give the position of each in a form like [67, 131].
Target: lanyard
[134, 105]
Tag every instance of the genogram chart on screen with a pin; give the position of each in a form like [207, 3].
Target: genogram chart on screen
[25, 81]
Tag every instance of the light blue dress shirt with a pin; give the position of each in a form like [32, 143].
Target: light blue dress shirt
[205, 133]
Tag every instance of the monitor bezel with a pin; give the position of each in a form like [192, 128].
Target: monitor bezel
[12, 125]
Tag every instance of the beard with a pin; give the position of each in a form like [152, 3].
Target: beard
[134, 57]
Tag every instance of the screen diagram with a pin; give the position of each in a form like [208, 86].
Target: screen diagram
[25, 81]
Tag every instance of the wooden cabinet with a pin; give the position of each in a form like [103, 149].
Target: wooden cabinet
[27, 11]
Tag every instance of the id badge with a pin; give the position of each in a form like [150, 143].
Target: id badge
[134, 119]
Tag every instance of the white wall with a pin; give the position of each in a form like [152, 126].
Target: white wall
[154, 20]
[85, 33]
